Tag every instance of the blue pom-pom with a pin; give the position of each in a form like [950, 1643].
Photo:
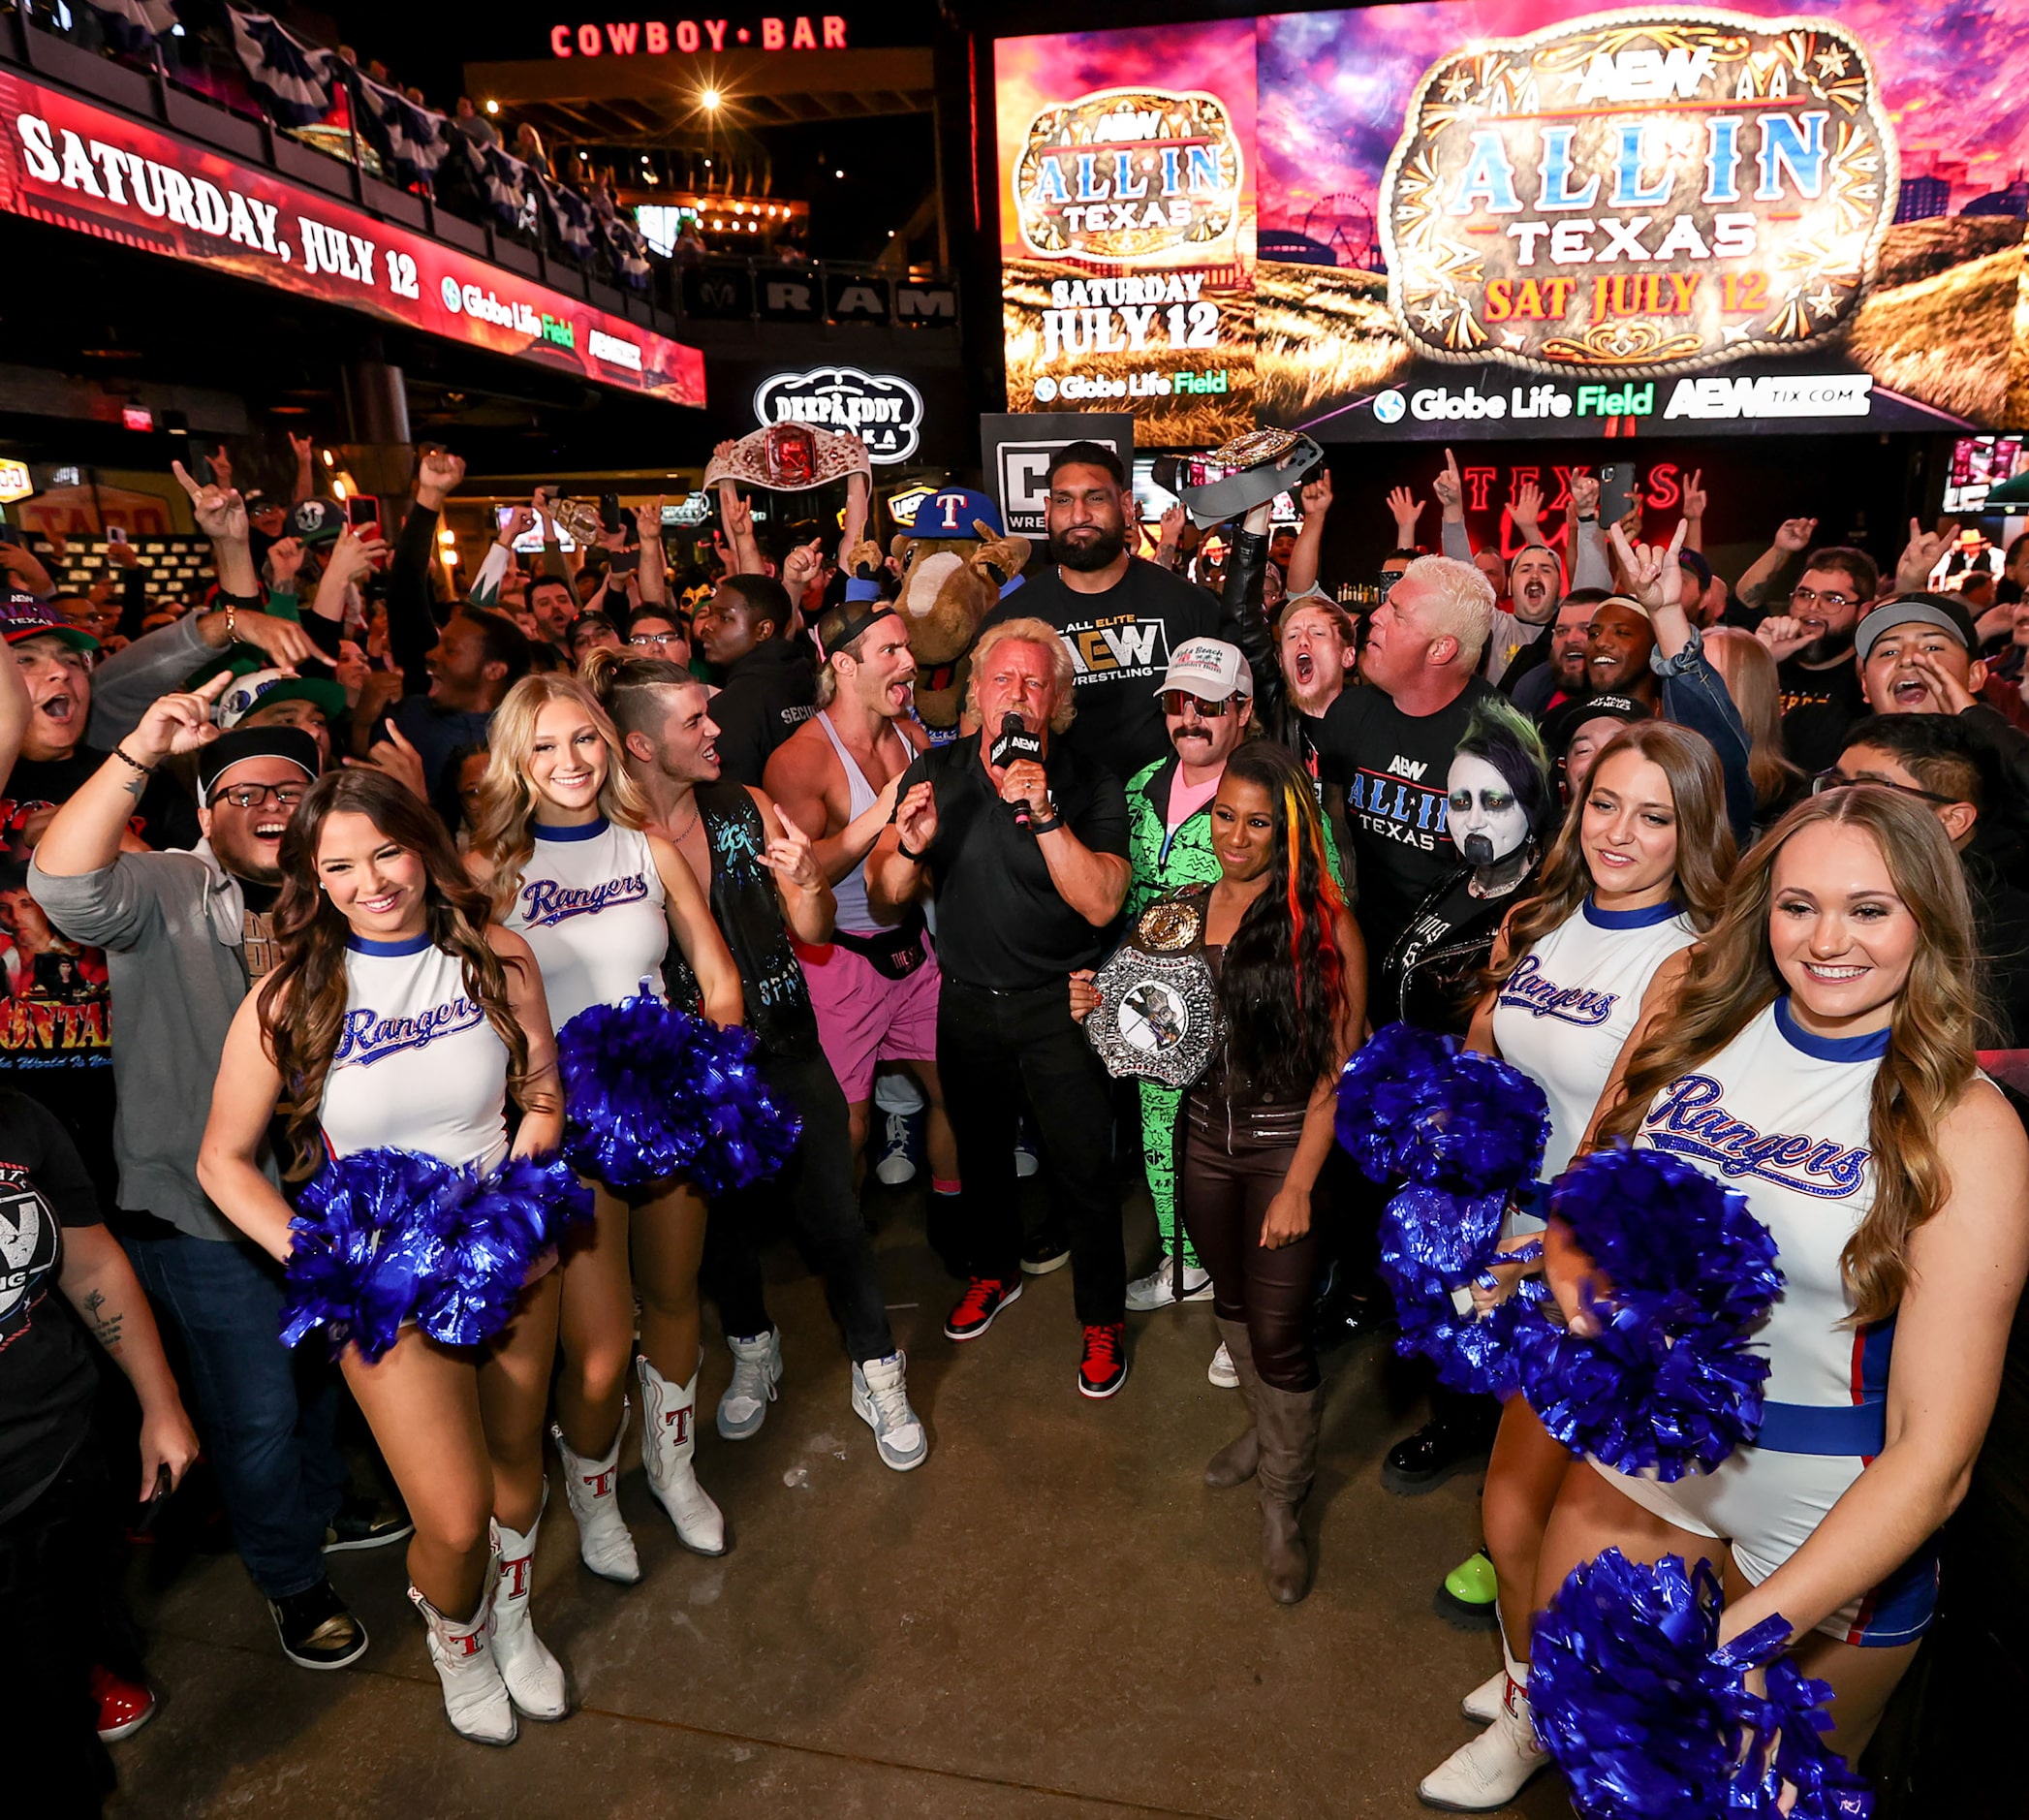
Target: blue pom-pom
[1434, 1244]
[1668, 1382]
[1647, 1715]
[1382, 1088]
[653, 1092]
[1478, 1128]
[385, 1235]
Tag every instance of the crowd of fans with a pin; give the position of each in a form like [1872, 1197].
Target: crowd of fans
[1294, 781]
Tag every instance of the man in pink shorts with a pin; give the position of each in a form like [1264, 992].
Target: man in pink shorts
[874, 988]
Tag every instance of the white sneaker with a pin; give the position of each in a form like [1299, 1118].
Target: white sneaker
[757, 1368]
[1221, 1373]
[880, 1400]
[1482, 1706]
[592, 1487]
[896, 1164]
[475, 1697]
[534, 1677]
[1158, 1289]
[669, 1440]
[1493, 1768]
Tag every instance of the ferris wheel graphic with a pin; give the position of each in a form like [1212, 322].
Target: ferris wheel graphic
[1344, 224]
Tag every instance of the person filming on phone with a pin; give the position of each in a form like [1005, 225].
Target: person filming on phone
[1022, 841]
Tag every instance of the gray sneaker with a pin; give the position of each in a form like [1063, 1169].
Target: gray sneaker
[880, 1400]
[1158, 1289]
[757, 1368]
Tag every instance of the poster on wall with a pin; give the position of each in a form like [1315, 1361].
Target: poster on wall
[1127, 226]
[1498, 218]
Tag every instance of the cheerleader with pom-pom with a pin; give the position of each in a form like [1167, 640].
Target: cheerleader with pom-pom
[391, 1034]
[560, 847]
[1637, 871]
[1817, 1057]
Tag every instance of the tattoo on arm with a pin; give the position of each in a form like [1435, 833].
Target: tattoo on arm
[136, 784]
[106, 1329]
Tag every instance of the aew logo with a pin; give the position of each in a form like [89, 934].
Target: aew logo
[29, 1242]
[1120, 648]
[1646, 75]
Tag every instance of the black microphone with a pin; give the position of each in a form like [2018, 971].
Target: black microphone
[1016, 741]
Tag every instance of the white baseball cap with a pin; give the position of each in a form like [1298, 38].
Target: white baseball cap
[1210, 669]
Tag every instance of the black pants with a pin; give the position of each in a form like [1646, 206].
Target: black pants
[993, 1048]
[56, 1620]
[1223, 1192]
[824, 1209]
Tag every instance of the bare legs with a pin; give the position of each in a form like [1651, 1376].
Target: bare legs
[596, 1328]
[1522, 1481]
[458, 1439]
[667, 1241]
[938, 1141]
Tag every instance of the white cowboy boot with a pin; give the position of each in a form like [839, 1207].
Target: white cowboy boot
[534, 1677]
[475, 1697]
[1482, 1706]
[669, 1440]
[1494, 1768]
[592, 1487]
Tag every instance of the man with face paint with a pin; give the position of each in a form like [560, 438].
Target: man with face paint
[1207, 703]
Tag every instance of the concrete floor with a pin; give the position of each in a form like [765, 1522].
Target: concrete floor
[1052, 1616]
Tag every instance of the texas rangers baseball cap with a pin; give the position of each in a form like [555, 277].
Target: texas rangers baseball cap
[950, 512]
[1209, 669]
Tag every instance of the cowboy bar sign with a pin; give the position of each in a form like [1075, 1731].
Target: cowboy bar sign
[883, 410]
[1656, 191]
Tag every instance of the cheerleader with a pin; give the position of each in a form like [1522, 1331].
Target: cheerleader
[1637, 873]
[1817, 1054]
[559, 846]
[399, 1017]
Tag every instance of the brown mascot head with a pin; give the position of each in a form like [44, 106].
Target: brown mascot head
[953, 563]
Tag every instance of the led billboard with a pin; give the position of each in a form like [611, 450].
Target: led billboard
[1467, 218]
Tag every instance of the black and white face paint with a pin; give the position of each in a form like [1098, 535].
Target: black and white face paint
[1486, 821]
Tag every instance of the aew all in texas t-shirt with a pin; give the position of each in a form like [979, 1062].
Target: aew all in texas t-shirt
[1120, 644]
[1394, 767]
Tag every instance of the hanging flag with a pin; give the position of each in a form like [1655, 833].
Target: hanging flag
[411, 142]
[628, 247]
[293, 79]
[571, 215]
[134, 25]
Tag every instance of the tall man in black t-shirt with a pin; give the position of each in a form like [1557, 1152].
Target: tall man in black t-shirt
[1390, 743]
[1121, 616]
[1027, 862]
[770, 685]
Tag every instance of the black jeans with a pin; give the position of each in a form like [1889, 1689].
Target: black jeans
[57, 1616]
[991, 1049]
[824, 1210]
[1222, 1191]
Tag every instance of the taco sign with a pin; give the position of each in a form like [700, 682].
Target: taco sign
[1648, 191]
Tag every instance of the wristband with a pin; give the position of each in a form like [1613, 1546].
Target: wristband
[901, 846]
[1050, 826]
[125, 758]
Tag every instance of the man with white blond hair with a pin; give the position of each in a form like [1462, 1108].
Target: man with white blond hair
[1390, 743]
[1021, 842]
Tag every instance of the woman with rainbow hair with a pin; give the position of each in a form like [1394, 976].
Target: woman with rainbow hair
[1290, 973]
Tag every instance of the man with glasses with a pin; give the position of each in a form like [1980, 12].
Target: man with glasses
[187, 935]
[1810, 637]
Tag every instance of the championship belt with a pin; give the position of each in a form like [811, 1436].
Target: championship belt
[1157, 1015]
[1267, 463]
[790, 458]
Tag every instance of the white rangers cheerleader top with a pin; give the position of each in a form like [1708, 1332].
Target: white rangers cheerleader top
[418, 1066]
[1782, 1116]
[590, 905]
[1573, 1001]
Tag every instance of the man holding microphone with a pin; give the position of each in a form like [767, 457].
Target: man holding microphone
[1023, 846]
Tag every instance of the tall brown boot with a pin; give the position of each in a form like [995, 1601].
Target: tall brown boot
[1235, 1462]
[1288, 1424]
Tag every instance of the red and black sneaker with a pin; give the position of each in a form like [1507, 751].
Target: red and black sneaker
[984, 1299]
[124, 1706]
[1103, 1369]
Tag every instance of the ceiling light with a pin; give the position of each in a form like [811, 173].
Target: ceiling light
[710, 100]
[493, 107]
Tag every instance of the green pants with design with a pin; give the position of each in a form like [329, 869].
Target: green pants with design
[1159, 1110]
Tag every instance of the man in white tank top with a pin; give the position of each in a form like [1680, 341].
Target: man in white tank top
[835, 777]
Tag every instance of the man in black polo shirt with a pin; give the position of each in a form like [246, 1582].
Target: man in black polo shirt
[767, 685]
[1027, 862]
[1122, 617]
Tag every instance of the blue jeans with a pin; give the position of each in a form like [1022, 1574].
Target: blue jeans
[268, 1414]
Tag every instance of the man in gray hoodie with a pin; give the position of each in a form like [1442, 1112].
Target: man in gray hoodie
[186, 937]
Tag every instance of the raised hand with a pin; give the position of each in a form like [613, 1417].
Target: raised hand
[791, 855]
[1785, 636]
[395, 757]
[285, 559]
[916, 821]
[1653, 575]
[1526, 508]
[1450, 488]
[1316, 497]
[178, 722]
[1923, 551]
[1584, 494]
[800, 566]
[1694, 496]
[521, 519]
[437, 473]
[1405, 508]
[1794, 535]
[220, 513]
